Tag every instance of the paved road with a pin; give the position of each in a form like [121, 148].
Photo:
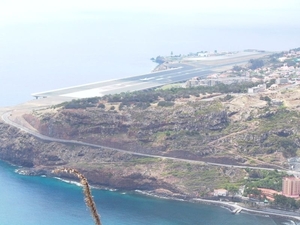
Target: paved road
[6, 118]
[263, 211]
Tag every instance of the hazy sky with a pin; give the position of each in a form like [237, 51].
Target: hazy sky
[50, 44]
[216, 11]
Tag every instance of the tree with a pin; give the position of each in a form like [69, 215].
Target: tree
[237, 68]
[165, 104]
[101, 106]
[160, 59]
[256, 193]
[232, 189]
[285, 202]
[256, 63]
[272, 81]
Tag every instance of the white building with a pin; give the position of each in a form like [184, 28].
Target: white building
[282, 81]
[259, 88]
[220, 192]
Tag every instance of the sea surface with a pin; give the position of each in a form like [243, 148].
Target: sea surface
[33, 200]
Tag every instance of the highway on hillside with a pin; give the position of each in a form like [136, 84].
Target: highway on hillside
[6, 118]
[179, 73]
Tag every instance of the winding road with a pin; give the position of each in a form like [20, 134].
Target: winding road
[6, 118]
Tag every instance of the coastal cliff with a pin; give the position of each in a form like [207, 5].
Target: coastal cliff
[236, 131]
[188, 134]
[107, 168]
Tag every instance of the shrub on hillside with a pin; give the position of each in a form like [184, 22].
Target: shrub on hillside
[165, 104]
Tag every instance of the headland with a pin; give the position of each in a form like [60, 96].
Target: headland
[179, 143]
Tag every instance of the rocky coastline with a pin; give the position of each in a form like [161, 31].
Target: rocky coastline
[37, 157]
[34, 162]
[233, 207]
[183, 140]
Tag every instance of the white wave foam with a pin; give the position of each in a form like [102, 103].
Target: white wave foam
[69, 181]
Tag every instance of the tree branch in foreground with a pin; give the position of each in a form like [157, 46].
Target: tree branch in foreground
[86, 190]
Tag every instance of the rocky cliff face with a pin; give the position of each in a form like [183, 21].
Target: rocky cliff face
[16, 147]
[212, 131]
[107, 168]
[102, 167]
[240, 131]
[156, 130]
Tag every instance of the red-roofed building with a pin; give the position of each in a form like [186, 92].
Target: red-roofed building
[269, 193]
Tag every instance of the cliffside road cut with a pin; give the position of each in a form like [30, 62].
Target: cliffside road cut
[180, 72]
[6, 118]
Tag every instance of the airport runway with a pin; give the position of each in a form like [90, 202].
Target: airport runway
[180, 73]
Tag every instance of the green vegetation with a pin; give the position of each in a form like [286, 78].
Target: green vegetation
[165, 103]
[253, 192]
[265, 98]
[159, 59]
[237, 68]
[143, 99]
[232, 188]
[214, 106]
[196, 176]
[256, 63]
[278, 119]
[263, 179]
[145, 160]
[276, 132]
[287, 203]
[101, 105]
[81, 103]
[226, 98]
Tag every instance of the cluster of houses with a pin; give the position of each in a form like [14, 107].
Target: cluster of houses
[196, 81]
[209, 54]
[290, 188]
[282, 72]
[292, 54]
[282, 75]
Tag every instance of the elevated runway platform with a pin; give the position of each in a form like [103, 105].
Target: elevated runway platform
[178, 73]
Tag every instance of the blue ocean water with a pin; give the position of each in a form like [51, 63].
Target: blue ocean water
[30, 200]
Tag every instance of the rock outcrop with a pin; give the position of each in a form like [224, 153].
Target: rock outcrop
[206, 131]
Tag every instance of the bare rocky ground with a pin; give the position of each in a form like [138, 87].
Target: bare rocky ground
[103, 167]
[244, 130]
